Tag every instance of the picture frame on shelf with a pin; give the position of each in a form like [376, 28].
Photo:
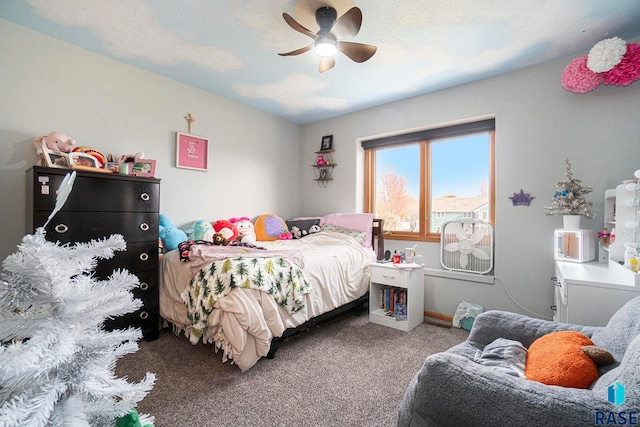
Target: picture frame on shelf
[54, 158]
[143, 167]
[82, 160]
[327, 143]
[323, 174]
[192, 152]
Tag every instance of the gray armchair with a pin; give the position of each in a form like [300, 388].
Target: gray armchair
[452, 390]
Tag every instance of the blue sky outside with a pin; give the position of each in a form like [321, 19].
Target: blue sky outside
[460, 166]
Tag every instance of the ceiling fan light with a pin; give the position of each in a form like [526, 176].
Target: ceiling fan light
[325, 46]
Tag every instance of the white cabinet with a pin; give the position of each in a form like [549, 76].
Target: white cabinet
[589, 293]
[387, 279]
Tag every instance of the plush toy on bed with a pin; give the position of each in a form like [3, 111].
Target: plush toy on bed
[246, 231]
[170, 235]
[220, 240]
[226, 228]
[200, 230]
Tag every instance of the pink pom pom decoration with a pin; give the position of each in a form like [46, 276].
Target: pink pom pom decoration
[628, 70]
[578, 78]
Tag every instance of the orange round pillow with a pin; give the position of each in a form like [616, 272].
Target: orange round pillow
[268, 227]
[557, 359]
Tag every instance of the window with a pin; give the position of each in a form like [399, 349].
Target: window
[418, 181]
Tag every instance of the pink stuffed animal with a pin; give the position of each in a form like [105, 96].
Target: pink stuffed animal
[56, 141]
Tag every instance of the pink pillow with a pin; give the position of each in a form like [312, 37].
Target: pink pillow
[352, 221]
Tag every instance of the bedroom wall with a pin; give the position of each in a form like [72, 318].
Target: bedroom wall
[538, 124]
[49, 85]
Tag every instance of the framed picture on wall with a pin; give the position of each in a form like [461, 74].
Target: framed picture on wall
[192, 152]
[327, 143]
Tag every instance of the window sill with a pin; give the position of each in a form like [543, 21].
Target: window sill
[459, 275]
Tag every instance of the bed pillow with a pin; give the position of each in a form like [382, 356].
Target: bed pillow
[268, 227]
[359, 236]
[352, 221]
[300, 228]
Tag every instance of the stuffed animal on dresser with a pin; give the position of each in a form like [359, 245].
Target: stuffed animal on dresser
[55, 141]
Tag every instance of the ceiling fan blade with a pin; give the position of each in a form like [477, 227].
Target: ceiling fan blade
[296, 26]
[357, 52]
[327, 63]
[348, 24]
[298, 51]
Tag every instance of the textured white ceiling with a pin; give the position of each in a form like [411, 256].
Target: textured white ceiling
[229, 47]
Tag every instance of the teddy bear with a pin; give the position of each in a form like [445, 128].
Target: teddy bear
[200, 230]
[226, 228]
[220, 240]
[170, 235]
[246, 231]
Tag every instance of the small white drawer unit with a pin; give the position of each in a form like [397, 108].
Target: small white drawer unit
[409, 283]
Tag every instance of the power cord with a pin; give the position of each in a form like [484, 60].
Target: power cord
[517, 303]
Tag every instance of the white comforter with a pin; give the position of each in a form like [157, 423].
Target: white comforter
[335, 265]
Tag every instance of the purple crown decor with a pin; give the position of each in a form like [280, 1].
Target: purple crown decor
[521, 198]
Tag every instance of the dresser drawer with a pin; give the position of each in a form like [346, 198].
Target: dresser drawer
[67, 226]
[389, 276]
[148, 288]
[139, 257]
[147, 318]
[96, 193]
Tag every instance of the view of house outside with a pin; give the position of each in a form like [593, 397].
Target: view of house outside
[458, 177]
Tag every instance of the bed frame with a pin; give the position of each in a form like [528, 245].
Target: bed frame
[377, 242]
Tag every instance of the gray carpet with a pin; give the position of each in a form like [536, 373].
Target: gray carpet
[344, 372]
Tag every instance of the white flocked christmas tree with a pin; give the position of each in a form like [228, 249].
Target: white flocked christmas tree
[56, 360]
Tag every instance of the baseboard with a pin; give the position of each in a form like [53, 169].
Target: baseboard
[439, 316]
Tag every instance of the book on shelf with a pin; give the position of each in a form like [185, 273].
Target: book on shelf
[394, 302]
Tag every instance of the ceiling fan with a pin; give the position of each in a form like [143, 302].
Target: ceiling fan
[328, 39]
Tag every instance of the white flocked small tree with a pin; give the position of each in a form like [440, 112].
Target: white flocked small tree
[56, 360]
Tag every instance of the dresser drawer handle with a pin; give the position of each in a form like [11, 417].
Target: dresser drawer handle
[144, 315]
[388, 277]
[144, 256]
[144, 286]
[61, 228]
[144, 226]
[145, 197]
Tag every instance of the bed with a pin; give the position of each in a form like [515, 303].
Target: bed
[294, 284]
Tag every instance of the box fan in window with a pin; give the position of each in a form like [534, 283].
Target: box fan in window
[467, 245]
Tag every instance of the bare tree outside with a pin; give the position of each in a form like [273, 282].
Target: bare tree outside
[395, 205]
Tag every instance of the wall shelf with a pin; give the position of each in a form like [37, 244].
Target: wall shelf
[323, 170]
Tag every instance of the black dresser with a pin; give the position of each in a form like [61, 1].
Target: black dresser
[100, 205]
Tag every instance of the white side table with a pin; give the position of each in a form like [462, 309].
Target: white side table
[385, 276]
